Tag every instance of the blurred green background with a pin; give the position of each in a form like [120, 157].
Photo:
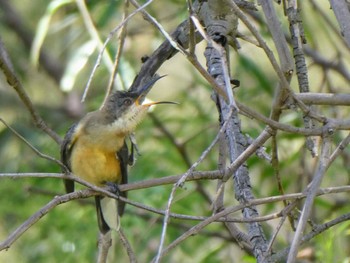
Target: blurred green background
[69, 232]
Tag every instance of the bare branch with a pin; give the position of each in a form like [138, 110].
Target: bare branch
[42, 212]
[118, 55]
[110, 36]
[311, 193]
[342, 13]
[104, 244]
[36, 151]
[127, 246]
[317, 229]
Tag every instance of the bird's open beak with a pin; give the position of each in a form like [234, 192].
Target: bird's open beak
[144, 91]
[158, 102]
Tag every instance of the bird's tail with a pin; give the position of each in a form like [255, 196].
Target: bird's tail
[107, 213]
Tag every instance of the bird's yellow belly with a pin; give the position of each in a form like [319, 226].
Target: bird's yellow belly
[95, 165]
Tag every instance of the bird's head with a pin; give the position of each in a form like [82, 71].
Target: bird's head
[124, 110]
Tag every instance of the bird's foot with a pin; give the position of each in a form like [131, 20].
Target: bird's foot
[113, 188]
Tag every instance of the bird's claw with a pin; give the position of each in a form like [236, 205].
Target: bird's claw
[113, 188]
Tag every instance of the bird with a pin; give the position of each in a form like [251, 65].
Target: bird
[95, 148]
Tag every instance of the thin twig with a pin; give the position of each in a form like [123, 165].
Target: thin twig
[42, 212]
[296, 196]
[118, 55]
[110, 36]
[317, 229]
[180, 183]
[127, 246]
[220, 217]
[273, 61]
[311, 193]
[104, 243]
[35, 150]
[90, 27]
[342, 13]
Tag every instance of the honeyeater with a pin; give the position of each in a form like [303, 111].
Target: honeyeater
[95, 148]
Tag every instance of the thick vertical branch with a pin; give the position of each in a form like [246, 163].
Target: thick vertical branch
[298, 39]
[220, 25]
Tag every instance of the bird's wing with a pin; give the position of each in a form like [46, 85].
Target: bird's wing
[123, 156]
[66, 151]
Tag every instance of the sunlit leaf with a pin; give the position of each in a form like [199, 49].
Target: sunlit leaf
[43, 28]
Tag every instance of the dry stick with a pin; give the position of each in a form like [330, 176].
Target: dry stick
[332, 125]
[159, 27]
[196, 175]
[218, 200]
[276, 168]
[190, 57]
[180, 183]
[328, 22]
[89, 24]
[34, 175]
[296, 196]
[286, 62]
[171, 179]
[278, 37]
[43, 211]
[191, 33]
[336, 99]
[316, 230]
[297, 41]
[97, 190]
[340, 148]
[178, 48]
[118, 55]
[6, 67]
[110, 36]
[221, 22]
[327, 163]
[342, 13]
[326, 63]
[127, 246]
[311, 193]
[273, 61]
[104, 243]
[285, 213]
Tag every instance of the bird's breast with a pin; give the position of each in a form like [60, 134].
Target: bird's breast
[95, 165]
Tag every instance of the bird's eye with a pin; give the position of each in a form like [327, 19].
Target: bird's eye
[127, 102]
